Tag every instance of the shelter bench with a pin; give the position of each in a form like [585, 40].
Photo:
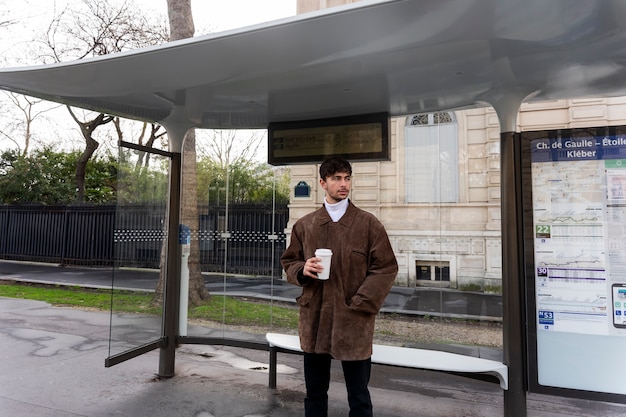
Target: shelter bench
[402, 357]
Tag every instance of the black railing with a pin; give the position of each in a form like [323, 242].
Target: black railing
[132, 235]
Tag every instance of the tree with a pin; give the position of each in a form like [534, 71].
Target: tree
[45, 177]
[96, 27]
[5, 22]
[251, 182]
[232, 153]
[230, 147]
[147, 183]
[38, 178]
[143, 158]
[181, 27]
[87, 128]
[28, 109]
[99, 27]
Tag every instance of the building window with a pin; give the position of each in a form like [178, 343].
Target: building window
[432, 271]
[431, 152]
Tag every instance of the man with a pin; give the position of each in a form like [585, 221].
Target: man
[337, 315]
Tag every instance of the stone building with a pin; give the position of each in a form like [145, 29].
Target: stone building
[439, 195]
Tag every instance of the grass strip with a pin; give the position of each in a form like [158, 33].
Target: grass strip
[227, 310]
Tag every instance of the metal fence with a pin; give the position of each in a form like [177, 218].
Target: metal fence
[132, 235]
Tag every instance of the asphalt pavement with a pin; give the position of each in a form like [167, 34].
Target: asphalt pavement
[416, 301]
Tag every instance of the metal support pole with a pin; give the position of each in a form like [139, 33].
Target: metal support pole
[513, 290]
[171, 296]
[272, 371]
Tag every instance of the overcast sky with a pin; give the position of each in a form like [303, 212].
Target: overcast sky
[221, 15]
[32, 17]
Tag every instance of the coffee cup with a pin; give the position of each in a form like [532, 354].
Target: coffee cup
[325, 255]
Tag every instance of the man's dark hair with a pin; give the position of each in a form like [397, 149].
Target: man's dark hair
[333, 165]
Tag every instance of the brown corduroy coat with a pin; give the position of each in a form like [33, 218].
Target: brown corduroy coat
[337, 316]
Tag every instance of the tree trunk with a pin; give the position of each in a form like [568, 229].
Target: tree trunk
[81, 167]
[86, 128]
[189, 217]
[181, 27]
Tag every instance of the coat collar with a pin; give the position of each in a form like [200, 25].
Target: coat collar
[322, 217]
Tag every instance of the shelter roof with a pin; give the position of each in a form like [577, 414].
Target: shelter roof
[395, 56]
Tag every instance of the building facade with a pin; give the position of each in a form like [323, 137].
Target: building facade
[439, 194]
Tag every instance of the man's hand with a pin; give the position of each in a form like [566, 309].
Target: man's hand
[312, 267]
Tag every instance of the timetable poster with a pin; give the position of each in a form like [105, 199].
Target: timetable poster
[579, 216]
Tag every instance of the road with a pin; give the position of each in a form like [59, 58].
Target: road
[402, 300]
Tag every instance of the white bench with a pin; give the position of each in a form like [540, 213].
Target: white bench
[401, 356]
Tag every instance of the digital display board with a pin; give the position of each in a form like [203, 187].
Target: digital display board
[357, 138]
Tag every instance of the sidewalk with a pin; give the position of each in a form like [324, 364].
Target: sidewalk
[52, 365]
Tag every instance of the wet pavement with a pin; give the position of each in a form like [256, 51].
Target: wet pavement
[52, 364]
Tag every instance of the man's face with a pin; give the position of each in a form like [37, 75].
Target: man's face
[337, 187]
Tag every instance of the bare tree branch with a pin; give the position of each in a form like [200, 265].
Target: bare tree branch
[100, 27]
[30, 112]
[93, 28]
[230, 147]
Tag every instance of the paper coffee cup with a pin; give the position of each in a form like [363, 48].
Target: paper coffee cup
[325, 255]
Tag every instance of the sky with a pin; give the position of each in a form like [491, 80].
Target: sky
[210, 16]
[230, 14]
[32, 16]
[222, 15]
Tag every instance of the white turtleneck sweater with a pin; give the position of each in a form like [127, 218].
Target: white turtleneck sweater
[337, 210]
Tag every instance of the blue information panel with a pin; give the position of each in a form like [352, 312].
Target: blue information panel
[184, 235]
[588, 148]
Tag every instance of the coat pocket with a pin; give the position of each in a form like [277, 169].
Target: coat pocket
[307, 295]
[357, 272]
[303, 299]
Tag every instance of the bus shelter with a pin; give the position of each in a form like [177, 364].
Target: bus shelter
[393, 57]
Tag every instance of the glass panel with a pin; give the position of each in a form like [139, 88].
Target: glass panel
[242, 218]
[449, 252]
[445, 227]
[139, 233]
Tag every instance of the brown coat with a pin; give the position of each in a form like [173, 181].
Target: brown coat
[337, 316]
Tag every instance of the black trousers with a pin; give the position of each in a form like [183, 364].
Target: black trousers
[317, 381]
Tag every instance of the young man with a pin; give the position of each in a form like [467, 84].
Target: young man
[337, 315]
